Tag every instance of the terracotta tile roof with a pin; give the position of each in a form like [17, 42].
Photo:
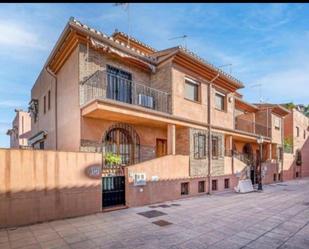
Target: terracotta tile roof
[153, 58]
[75, 21]
[133, 39]
[211, 65]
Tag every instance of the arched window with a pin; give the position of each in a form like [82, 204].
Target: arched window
[122, 139]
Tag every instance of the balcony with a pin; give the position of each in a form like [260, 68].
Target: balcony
[248, 126]
[102, 85]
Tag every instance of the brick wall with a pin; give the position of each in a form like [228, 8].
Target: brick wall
[182, 141]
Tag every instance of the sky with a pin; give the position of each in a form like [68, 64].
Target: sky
[267, 45]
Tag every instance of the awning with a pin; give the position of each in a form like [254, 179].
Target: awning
[37, 137]
[109, 49]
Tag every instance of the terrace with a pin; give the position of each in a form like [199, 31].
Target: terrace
[104, 85]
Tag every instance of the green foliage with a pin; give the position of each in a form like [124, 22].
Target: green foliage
[112, 159]
[288, 142]
[307, 111]
[289, 106]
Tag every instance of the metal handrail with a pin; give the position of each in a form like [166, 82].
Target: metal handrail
[108, 86]
[251, 127]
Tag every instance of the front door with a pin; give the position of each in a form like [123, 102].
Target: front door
[113, 191]
[161, 147]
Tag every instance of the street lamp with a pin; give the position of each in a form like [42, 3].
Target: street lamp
[260, 141]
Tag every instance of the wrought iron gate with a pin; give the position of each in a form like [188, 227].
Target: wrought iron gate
[113, 191]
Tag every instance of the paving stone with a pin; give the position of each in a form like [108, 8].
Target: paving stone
[269, 219]
[152, 213]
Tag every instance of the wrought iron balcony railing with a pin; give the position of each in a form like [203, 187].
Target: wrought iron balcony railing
[104, 85]
[242, 124]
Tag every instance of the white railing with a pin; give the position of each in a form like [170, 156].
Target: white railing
[102, 85]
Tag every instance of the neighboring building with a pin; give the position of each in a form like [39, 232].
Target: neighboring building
[296, 131]
[20, 131]
[156, 109]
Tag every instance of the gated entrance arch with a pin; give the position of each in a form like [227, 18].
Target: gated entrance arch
[120, 139]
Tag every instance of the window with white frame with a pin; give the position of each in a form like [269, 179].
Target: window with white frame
[277, 123]
[192, 89]
[220, 101]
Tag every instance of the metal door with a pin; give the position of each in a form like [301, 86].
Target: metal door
[113, 191]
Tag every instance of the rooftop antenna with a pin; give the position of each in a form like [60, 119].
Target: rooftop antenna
[183, 37]
[227, 65]
[127, 8]
[260, 91]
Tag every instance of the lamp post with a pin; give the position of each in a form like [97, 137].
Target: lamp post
[260, 141]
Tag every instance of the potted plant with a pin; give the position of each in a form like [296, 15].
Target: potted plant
[112, 159]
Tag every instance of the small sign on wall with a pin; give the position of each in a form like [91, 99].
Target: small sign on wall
[94, 171]
[139, 179]
[154, 178]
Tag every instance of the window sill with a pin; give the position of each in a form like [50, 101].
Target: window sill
[217, 109]
[193, 101]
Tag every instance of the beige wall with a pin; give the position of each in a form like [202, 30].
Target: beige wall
[21, 129]
[276, 134]
[68, 108]
[46, 122]
[38, 186]
[224, 118]
[289, 166]
[166, 168]
[182, 107]
[172, 171]
[301, 121]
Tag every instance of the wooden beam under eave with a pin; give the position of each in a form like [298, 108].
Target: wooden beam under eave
[204, 67]
[201, 71]
[68, 48]
[61, 48]
[66, 55]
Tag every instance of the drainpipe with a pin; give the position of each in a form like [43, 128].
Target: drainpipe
[282, 146]
[56, 113]
[209, 130]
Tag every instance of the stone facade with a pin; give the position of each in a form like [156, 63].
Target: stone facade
[199, 167]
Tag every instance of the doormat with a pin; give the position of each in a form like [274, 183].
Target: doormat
[162, 223]
[152, 214]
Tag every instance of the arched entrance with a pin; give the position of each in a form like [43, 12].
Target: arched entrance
[122, 139]
[247, 151]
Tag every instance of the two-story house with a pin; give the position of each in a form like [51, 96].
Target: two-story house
[20, 131]
[163, 112]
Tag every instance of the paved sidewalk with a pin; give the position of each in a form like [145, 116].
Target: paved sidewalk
[276, 218]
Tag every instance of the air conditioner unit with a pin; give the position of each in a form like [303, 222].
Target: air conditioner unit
[145, 100]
